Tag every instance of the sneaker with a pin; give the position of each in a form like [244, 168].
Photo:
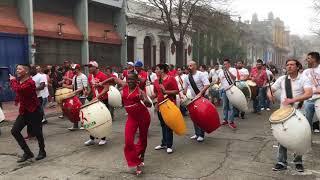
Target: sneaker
[194, 137]
[262, 109]
[61, 117]
[44, 121]
[102, 142]
[138, 171]
[299, 168]
[73, 128]
[81, 128]
[169, 150]
[268, 109]
[159, 147]
[200, 139]
[232, 125]
[316, 131]
[25, 157]
[279, 167]
[42, 154]
[89, 142]
[224, 123]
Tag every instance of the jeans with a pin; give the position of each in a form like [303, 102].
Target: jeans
[265, 102]
[257, 102]
[309, 110]
[282, 156]
[33, 120]
[167, 134]
[198, 131]
[228, 113]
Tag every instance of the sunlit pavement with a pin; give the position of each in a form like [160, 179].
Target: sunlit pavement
[246, 153]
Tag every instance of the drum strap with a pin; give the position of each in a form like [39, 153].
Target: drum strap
[227, 77]
[193, 84]
[288, 88]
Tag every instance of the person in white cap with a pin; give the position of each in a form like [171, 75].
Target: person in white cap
[130, 68]
[99, 92]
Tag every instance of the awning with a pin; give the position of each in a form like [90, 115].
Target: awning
[103, 33]
[47, 25]
[10, 21]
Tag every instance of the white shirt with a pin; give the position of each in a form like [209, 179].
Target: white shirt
[224, 83]
[214, 74]
[38, 79]
[243, 72]
[298, 86]
[82, 81]
[153, 77]
[115, 74]
[201, 80]
[313, 74]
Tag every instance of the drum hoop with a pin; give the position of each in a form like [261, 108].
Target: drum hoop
[162, 102]
[90, 103]
[251, 83]
[316, 98]
[283, 120]
[227, 89]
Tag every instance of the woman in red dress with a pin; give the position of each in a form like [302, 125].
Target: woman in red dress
[135, 102]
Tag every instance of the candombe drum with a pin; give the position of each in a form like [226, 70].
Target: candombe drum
[237, 98]
[253, 89]
[149, 90]
[172, 116]
[114, 97]
[204, 114]
[61, 94]
[71, 107]
[96, 119]
[243, 86]
[291, 129]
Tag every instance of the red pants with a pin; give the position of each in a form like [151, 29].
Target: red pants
[141, 120]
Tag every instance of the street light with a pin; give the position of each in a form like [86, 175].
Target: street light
[60, 28]
[106, 33]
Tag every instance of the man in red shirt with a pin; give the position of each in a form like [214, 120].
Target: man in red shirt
[172, 71]
[30, 113]
[98, 92]
[142, 75]
[259, 76]
[165, 85]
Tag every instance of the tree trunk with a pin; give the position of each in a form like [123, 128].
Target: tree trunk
[179, 53]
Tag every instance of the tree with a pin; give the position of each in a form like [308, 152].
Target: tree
[177, 17]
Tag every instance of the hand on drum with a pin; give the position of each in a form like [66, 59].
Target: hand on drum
[288, 101]
[11, 77]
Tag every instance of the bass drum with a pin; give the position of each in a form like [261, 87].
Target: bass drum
[204, 114]
[62, 94]
[237, 98]
[149, 90]
[291, 129]
[114, 97]
[96, 119]
[71, 108]
[317, 108]
[172, 116]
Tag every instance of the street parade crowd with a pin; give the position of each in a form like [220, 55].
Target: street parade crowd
[88, 101]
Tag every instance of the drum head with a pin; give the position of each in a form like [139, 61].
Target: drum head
[251, 83]
[281, 114]
[163, 101]
[92, 102]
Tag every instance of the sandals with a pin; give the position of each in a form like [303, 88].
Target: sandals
[138, 170]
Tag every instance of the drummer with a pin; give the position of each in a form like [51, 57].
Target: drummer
[301, 90]
[80, 88]
[67, 77]
[180, 78]
[165, 85]
[227, 77]
[213, 78]
[98, 91]
[142, 75]
[313, 74]
[137, 118]
[197, 83]
[242, 75]
[259, 76]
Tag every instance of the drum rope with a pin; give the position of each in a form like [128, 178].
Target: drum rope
[226, 74]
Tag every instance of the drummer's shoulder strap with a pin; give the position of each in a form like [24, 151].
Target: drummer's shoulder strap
[289, 93]
[193, 84]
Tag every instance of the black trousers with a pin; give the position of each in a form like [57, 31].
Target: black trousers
[33, 121]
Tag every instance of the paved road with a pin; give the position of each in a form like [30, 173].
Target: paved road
[245, 153]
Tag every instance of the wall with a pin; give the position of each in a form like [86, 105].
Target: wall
[100, 13]
[62, 7]
[105, 54]
[8, 3]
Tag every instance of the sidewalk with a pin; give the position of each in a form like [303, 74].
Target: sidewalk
[11, 111]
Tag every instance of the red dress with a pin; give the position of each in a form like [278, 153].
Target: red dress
[138, 117]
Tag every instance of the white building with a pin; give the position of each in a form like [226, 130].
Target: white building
[147, 38]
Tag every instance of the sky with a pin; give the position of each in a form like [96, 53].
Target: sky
[297, 15]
